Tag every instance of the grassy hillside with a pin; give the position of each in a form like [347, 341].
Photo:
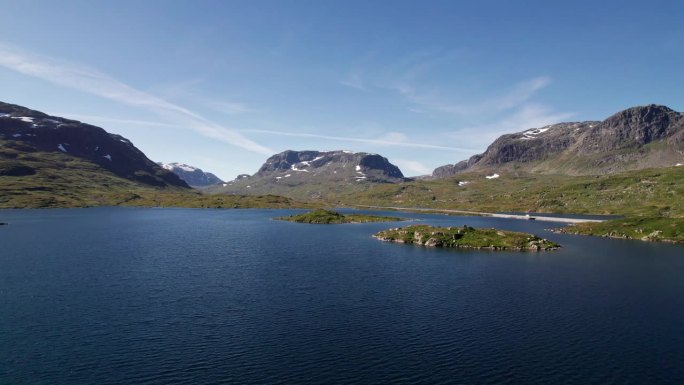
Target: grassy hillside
[655, 192]
[50, 179]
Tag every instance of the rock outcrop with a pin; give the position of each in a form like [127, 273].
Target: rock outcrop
[466, 237]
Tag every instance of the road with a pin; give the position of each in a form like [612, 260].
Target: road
[484, 214]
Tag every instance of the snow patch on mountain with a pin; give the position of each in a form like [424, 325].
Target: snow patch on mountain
[26, 119]
[294, 168]
[171, 166]
[531, 134]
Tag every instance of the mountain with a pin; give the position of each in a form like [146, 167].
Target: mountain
[315, 174]
[345, 165]
[48, 161]
[634, 139]
[193, 176]
[24, 131]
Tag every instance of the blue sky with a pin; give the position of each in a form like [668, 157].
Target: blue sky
[223, 84]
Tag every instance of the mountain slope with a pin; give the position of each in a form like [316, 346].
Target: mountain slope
[28, 131]
[633, 139]
[48, 161]
[315, 174]
[193, 176]
[650, 192]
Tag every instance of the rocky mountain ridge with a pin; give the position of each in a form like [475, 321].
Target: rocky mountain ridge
[316, 172]
[365, 165]
[636, 138]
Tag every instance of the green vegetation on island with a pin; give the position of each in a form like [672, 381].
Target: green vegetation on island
[466, 237]
[321, 216]
[641, 228]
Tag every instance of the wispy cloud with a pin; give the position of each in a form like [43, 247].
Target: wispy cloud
[92, 119]
[230, 108]
[527, 116]
[509, 99]
[188, 90]
[521, 93]
[367, 74]
[392, 140]
[509, 110]
[355, 80]
[92, 81]
[394, 137]
[477, 120]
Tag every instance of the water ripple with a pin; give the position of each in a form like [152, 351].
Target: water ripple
[199, 296]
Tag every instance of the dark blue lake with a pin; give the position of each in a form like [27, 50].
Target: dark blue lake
[160, 296]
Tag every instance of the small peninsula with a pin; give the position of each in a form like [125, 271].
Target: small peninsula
[321, 216]
[466, 237]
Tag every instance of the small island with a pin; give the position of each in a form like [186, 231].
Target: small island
[321, 216]
[466, 237]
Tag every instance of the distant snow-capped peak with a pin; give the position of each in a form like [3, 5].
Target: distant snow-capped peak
[184, 167]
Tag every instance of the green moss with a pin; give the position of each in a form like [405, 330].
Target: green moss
[465, 237]
[321, 216]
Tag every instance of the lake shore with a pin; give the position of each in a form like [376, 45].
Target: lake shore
[544, 218]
